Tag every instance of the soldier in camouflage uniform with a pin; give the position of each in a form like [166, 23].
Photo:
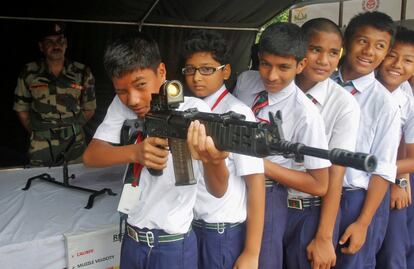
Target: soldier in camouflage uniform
[54, 98]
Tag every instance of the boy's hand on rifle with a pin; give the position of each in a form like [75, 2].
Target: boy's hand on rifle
[153, 152]
[202, 146]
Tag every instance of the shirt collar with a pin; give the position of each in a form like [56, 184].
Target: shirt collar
[277, 97]
[338, 76]
[360, 83]
[397, 92]
[319, 91]
[211, 99]
[363, 82]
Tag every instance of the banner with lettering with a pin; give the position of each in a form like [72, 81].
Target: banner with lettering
[331, 10]
[98, 249]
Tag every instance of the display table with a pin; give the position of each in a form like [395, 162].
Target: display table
[32, 222]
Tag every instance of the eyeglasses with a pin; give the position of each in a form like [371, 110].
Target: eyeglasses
[203, 70]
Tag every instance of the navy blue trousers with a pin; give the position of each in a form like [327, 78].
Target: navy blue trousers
[351, 205]
[271, 252]
[219, 250]
[392, 254]
[300, 230]
[410, 227]
[180, 254]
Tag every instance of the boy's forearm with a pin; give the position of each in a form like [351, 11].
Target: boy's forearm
[405, 166]
[405, 162]
[377, 189]
[255, 213]
[330, 203]
[314, 182]
[216, 177]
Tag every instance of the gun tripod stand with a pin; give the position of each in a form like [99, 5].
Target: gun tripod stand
[63, 156]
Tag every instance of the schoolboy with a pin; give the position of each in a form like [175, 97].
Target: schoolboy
[224, 239]
[365, 201]
[158, 225]
[313, 244]
[282, 50]
[397, 67]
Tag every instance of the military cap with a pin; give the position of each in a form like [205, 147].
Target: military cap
[51, 28]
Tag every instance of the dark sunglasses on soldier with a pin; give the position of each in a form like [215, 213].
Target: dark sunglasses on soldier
[203, 70]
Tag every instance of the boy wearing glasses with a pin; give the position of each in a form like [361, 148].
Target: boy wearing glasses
[158, 234]
[54, 98]
[229, 229]
[282, 50]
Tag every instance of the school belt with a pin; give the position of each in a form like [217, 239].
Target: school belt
[149, 238]
[352, 189]
[270, 183]
[302, 203]
[220, 226]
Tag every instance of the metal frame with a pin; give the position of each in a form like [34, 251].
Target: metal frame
[139, 24]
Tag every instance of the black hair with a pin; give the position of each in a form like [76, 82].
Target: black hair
[375, 19]
[313, 26]
[404, 35]
[129, 52]
[207, 41]
[283, 39]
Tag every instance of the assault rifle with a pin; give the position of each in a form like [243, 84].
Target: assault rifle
[229, 131]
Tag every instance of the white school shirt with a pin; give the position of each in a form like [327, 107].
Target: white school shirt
[161, 205]
[379, 132]
[340, 112]
[302, 122]
[230, 208]
[406, 104]
[406, 87]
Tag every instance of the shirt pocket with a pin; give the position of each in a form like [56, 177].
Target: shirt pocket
[43, 102]
[68, 97]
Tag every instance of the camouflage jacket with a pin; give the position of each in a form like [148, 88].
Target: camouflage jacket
[54, 101]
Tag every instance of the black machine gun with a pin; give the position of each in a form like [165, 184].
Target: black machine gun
[229, 131]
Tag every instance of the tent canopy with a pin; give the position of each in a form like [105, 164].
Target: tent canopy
[91, 24]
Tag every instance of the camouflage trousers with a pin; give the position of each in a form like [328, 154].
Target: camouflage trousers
[52, 147]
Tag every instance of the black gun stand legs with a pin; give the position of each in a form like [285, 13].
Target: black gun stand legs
[66, 177]
[65, 183]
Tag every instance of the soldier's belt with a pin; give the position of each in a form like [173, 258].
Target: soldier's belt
[57, 133]
[302, 203]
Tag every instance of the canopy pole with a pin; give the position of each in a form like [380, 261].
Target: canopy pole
[147, 14]
[135, 23]
[403, 9]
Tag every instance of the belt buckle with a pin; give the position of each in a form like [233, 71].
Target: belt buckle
[132, 233]
[220, 227]
[294, 203]
[150, 239]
